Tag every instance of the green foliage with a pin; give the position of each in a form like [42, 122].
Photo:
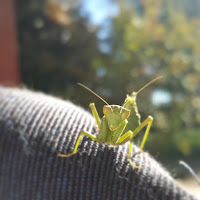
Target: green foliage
[150, 38]
[189, 141]
[57, 48]
[163, 40]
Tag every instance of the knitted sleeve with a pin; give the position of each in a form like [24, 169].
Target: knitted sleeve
[35, 127]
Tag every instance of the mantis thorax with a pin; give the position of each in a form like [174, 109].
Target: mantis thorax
[130, 101]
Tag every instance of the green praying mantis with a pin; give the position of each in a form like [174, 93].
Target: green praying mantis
[119, 124]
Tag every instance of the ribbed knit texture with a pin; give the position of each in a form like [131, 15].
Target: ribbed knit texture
[35, 127]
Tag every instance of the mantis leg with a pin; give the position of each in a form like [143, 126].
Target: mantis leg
[77, 144]
[95, 114]
[129, 136]
[126, 137]
[148, 121]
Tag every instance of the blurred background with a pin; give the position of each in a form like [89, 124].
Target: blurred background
[114, 47]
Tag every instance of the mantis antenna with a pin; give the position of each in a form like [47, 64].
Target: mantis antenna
[93, 92]
[155, 79]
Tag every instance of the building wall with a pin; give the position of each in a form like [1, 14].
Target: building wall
[9, 66]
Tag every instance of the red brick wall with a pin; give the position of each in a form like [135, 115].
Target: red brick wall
[9, 69]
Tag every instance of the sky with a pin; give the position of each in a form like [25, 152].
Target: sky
[99, 13]
[99, 10]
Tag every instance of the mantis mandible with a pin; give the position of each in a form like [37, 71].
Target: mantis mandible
[119, 124]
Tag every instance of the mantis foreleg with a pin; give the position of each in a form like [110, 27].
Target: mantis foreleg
[95, 114]
[77, 144]
[130, 135]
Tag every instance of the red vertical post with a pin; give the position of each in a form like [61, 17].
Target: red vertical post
[9, 67]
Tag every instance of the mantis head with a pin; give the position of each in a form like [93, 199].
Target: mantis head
[115, 115]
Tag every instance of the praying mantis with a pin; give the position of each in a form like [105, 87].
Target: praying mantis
[119, 124]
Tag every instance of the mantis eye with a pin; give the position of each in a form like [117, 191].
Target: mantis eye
[106, 110]
[126, 114]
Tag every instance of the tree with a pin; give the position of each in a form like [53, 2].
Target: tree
[157, 39]
[57, 46]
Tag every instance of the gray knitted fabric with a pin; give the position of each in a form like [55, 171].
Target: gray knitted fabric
[35, 127]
